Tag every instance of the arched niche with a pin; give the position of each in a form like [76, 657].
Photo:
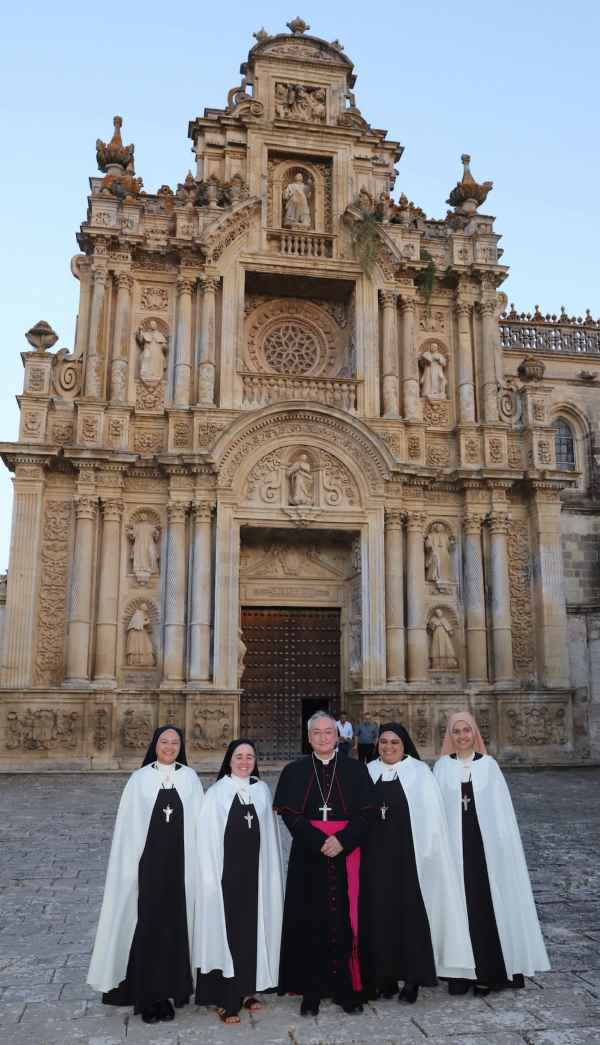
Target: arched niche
[283, 174]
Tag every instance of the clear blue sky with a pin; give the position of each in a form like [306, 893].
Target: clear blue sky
[515, 84]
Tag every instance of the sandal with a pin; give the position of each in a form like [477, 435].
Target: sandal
[253, 1005]
[228, 1017]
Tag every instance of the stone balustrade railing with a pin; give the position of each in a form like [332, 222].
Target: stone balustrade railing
[295, 244]
[263, 389]
[527, 332]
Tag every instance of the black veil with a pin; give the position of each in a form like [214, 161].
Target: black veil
[150, 755]
[225, 769]
[405, 737]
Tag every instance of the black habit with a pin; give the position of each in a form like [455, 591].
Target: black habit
[317, 940]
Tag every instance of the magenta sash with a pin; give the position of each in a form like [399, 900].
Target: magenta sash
[330, 827]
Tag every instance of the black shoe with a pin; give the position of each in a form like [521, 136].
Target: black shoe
[459, 986]
[309, 1006]
[409, 993]
[166, 1011]
[518, 982]
[389, 989]
[350, 1005]
[480, 990]
[152, 1014]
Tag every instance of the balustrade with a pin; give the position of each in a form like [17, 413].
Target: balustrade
[263, 389]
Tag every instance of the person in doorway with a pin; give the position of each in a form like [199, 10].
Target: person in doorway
[238, 928]
[366, 736]
[413, 917]
[141, 955]
[345, 734]
[324, 801]
[486, 844]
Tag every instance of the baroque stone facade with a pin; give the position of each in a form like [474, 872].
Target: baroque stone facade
[290, 390]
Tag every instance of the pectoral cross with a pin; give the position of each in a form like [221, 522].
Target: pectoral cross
[466, 801]
[249, 818]
[384, 810]
[167, 811]
[325, 809]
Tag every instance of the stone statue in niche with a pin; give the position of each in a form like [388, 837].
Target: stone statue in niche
[144, 535]
[301, 481]
[242, 650]
[296, 209]
[434, 382]
[437, 559]
[139, 651]
[442, 655]
[153, 345]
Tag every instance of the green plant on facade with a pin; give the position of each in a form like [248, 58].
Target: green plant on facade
[426, 278]
[366, 240]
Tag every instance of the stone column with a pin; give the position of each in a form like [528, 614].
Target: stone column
[175, 595]
[108, 593]
[489, 339]
[466, 387]
[372, 593]
[474, 599]
[93, 363]
[201, 604]
[183, 344]
[120, 344]
[501, 623]
[227, 598]
[23, 567]
[80, 603]
[207, 347]
[394, 595]
[549, 589]
[410, 364]
[416, 633]
[391, 406]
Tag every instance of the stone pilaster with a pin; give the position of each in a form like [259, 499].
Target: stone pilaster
[201, 601]
[410, 365]
[183, 343]
[120, 343]
[80, 602]
[18, 644]
[394, 595]
[466, 387]
[390, 391]
[93, 363]
[489, 340]
[175, 595]
[206, 354]
[549, 589]
[416, 633]
[474, 599]
[108, 593]
[498, 522]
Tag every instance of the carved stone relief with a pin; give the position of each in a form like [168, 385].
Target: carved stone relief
[292, 336]
[154, 299]
[297, 101]
[42, 729]
[212, 726]
[436, 413]
[532, 724]
[136, 729]
[102, 727]
[52, 600]
[144, 532]
[520, 598]
[301, 480]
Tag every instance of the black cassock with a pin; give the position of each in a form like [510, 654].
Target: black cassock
[395, 940]
[159, 960]
[239, 882]
[317, 938]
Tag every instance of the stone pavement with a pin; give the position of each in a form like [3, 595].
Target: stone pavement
[54, 837]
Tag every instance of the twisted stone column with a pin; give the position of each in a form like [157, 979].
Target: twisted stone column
[391, 405]
[93, 363]
[201, 606]
[410, 364]
[79, 625]
[394, 595]
[175, 591]
[183, 343]
[206, 355]
[108, 592]
[416, 633]
[466, 387]
[489, 339]
[501, 623]
[474, 599]
[120, 343]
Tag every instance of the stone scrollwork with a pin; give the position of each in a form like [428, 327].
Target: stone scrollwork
[520, 596]
[66, 374]
[52, 599]
[144, 532]
[338, 486]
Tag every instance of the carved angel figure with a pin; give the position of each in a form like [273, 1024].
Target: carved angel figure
[154, 347]
[144, 535]
[441, 654]
[301, 482]
[139, 651]
[437, 564]
[433, 379]
[295, 201]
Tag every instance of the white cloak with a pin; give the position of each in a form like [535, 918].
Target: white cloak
[119, 912]
[521, 940]
[444, 900]
[211, 949]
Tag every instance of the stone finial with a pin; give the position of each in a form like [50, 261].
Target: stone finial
[298, 26]
[468, 194]
[337, 44]
[114, 153]
[41, 336]
[261, 35]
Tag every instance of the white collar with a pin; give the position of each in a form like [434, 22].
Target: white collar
[326, 761]
[389, 772]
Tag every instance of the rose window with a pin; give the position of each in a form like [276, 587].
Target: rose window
[291, 348]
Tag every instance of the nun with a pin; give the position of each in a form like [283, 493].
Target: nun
[142, 953]
[414, 917]
[238, 928]
[487, 850]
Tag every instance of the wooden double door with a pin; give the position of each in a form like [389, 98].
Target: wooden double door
[292, 669]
